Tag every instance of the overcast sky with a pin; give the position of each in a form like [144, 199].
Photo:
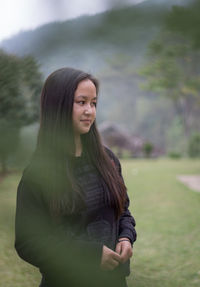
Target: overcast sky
[18, 15]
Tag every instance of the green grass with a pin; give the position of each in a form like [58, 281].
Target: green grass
[13, 271]
[167, 251]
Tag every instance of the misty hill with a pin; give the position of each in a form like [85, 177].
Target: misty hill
[111, 45]
[88, 41]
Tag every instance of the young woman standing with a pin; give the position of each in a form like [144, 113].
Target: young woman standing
[72, 217]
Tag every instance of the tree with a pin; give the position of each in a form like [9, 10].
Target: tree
[20, 83]
[186, 22]
[173, 70]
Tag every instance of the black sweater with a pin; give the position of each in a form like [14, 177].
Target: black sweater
[68, 252]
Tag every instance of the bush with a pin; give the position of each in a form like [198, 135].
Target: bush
[174, 155]
[148, 149]
[194, 145]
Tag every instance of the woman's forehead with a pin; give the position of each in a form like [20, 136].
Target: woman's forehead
[85, 87]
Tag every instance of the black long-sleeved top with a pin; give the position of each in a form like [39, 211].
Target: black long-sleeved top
[68, 252]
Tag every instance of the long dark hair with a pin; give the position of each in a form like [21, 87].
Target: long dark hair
[55, 147]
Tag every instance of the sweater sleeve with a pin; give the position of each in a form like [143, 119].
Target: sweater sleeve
[127, 224]
[47, 246]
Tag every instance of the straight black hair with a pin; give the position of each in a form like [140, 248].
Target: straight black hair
[56, 146]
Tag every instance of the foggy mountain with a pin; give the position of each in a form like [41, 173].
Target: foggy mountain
[88, 41]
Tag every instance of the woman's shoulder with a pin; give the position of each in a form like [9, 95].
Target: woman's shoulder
[112, 156]
[29, 172]
[30, 178]
[26, 174]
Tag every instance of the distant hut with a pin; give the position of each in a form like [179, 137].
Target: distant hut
[118, 138]
[121, 141]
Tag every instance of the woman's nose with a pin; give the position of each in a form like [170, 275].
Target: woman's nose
[88, 109]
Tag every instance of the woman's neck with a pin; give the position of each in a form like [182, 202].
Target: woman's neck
[78, 145]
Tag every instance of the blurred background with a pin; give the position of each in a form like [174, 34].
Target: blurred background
[146, 54]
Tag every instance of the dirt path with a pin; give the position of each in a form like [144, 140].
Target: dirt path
[191, 181]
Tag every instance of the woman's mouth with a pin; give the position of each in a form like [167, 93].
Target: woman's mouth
[86, 121]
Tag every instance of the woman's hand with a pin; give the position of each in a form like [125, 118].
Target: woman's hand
[110, 259]
[124, 249]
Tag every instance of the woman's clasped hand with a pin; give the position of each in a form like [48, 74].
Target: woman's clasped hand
[111, 259]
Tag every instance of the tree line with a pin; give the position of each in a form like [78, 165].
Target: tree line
[20, 86]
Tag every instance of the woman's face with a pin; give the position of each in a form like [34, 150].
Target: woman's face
[84, 107]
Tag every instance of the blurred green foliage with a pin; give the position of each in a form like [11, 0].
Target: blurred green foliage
[174, 155]
[20, 84]
[148, 149]
[186, 21]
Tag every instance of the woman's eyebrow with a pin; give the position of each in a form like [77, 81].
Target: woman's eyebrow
[85, 97]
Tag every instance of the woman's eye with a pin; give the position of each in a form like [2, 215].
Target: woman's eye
[93, 104]
[81, 102]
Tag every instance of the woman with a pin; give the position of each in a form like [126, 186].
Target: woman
[72, 217]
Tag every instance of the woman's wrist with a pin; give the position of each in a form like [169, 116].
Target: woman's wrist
[122, 239]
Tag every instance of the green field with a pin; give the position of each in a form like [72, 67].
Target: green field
[167, 251]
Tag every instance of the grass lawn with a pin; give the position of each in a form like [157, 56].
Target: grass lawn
[167, 251]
